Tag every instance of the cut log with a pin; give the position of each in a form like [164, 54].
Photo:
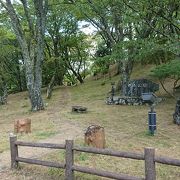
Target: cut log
[22, 125]
[79, 109]
[95, 136]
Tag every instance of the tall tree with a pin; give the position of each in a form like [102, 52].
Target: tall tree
[110, 20]
[75, 55]
[131, 29]
[66, 46]
[31, 41]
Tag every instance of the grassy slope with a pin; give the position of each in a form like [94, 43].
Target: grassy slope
[125, 128]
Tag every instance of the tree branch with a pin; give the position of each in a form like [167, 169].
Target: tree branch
[29, 20]
[15, 21]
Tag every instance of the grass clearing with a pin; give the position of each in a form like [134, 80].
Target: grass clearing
[125, 129]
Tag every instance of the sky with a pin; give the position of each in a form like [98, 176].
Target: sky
[87, 28]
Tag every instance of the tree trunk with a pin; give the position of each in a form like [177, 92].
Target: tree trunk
[77, 75]
[36, 99]
[59, 73]
[125, 78]
[50, 87]
[127, 65]
[80, 79]
[32, 50]
[162, 84]
[3, 93]
[34, 82]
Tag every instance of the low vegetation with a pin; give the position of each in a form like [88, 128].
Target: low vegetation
[125, 129]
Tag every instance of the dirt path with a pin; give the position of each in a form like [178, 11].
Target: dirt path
[67, 133]
[67, 130]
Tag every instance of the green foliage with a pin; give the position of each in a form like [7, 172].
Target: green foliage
[127, 31]
[67, 45]
[11, 68]
[101, 65]
[169, 70]
[153, 51]
[70, 79]
[120, 50]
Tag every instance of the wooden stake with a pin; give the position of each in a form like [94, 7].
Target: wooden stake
[69, 173]
[14, 151]
[150, 171]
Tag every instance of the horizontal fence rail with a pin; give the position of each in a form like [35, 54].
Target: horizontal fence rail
[148, 156]
[42, 145]
[105, 173]
[39, 162]
[110, 152]
[168, 161]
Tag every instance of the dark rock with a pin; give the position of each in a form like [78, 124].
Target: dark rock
[79, 109]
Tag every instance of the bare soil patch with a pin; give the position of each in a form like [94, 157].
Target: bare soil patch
[63, 129]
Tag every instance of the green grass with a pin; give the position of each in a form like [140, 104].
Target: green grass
[44, 135]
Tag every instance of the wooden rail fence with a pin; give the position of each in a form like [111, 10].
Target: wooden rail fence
[69, 166]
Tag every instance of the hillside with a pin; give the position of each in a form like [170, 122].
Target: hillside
[125, 128]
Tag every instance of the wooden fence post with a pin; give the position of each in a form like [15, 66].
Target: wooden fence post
[14, 151]
[150, 171]
[69, 173]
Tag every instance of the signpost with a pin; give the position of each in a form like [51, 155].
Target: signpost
[150, 99]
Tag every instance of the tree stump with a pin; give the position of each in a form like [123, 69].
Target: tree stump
[95, 136]
[79, 109]
[22, 125]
